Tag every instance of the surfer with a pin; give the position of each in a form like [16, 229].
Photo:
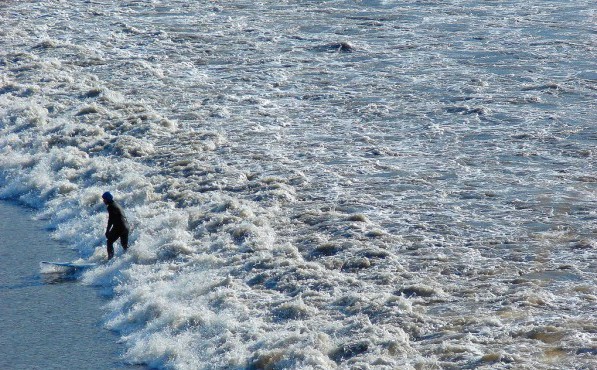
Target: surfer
[118, 227]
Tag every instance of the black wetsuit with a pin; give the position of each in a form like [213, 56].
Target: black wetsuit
[118, 227]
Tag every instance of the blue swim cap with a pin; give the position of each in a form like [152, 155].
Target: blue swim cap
[107, 196]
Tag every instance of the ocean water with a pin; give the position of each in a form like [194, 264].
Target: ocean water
[318, 184]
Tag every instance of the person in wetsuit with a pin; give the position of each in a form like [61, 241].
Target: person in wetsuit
[118, 226]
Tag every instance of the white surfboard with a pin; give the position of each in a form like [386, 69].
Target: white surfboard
[75, 265]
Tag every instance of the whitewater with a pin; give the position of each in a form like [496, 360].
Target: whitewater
[318, 184]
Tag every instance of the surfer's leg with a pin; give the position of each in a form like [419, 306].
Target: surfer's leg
[110, 242]
[124, 240]
[110, 249]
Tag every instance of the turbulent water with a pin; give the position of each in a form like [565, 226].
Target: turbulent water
[318, 184]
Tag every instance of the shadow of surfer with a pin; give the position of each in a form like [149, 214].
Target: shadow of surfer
[118, 226]
[61, 276]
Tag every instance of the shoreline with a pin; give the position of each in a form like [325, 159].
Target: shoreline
[50, 321]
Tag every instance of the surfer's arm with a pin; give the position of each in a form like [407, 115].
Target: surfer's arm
[110, 222]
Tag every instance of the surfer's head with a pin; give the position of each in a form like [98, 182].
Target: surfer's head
[107, 197]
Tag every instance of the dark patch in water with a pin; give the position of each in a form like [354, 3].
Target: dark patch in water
[375, 253]
[258, 279]
[583, 244]
[356, 264]
[47, 44]
[466, 110]
[8, 89]
[338, 47]
[357, 218]
[414, 291]
[325, 250]
[87, 110]
[348, 351]
[589, 351]
[547, 86]
[16, 91]
[290, 312]
[429, 336]
[93, 93]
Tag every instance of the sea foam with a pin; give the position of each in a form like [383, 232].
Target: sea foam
[418, 198]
